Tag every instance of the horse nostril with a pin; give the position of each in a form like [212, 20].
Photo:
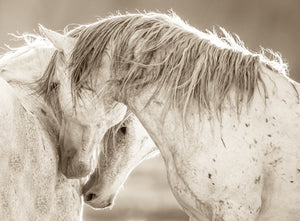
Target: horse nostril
[90, 197]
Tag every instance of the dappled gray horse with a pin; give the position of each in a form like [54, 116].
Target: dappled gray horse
[31, 185]
[226, 120]
[123, 147]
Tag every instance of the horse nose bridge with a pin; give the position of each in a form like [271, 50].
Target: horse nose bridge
[91, 136]
[86, 135]
[90, 185]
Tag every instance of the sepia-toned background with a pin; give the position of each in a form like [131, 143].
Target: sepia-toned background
[272, 24]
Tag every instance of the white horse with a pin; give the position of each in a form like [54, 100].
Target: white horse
[81, 118]
[225, 120]
[31, 185]
[124, 147]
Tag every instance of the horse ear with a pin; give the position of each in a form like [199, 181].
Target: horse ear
[61, 42]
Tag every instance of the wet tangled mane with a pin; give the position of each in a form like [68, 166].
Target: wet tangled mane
[162, 50]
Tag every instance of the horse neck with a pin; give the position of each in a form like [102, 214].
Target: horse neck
[36, 105]
[149, 113]
[21, 69]
[27, 66]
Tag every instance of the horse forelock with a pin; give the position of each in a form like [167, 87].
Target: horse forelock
[162, 50]
[47, 86]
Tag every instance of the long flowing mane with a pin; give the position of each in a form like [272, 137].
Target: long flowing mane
[159, 49]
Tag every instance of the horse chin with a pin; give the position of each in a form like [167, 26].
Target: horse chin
[74, 169]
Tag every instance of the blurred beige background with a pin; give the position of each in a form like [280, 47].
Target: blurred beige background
[272, 24]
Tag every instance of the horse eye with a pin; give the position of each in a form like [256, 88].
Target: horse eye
[123, 130]
[53, 86]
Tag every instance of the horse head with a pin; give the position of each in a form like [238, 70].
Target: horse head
[83, 115]
[124, 147]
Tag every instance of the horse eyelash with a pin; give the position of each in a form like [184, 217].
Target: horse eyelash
[53, 86]
[123, 129]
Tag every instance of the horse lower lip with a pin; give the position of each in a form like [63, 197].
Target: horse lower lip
[101, 205]
[106, 205]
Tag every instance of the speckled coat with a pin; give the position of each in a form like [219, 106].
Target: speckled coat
[31, 187]
[245, 167]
